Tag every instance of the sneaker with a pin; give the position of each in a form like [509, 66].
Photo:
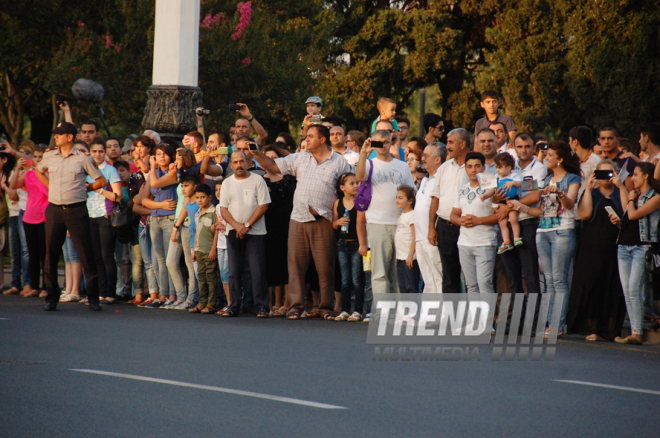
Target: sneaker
[168, 304]
[146, 303]
[180, 305]
[355, 317]
[367, 317]
[518, 241]
[505, 247]
[189, 305]
[154, 304]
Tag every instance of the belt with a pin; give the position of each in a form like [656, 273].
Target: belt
[67, 206]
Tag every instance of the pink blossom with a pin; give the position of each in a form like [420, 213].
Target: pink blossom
[108, 42]
[81, 24]
[245, 9]
[246, 61]
[212, 20]
[118, 49]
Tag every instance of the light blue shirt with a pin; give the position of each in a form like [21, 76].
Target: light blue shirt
[97, 204]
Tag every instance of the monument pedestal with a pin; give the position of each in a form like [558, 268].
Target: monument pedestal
[170, 109]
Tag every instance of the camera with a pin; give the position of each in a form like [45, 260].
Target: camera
[603, 174]
[61, 99]
[543, 146]
[377, 144]
[420, 168]
[316, 119]
[253, 146]
[234, 107]
[202, 112]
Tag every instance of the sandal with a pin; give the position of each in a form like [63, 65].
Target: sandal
[281, 311]
[263, 313]
[84, 301]
[197, 309]
[12, 291]
[70, 298]
[343, 316]
[293, 315]
[329, 317]
[314, 314]
[357, 317]
[208, 309]
[628, 340]
[227, 313]
[32, 293]
[592, 338]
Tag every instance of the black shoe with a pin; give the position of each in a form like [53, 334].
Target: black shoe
[50, 306]
[95, 307]
[263, 313]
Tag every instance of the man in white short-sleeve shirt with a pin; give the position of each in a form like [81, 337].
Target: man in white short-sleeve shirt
[478, 239]
[387, 174]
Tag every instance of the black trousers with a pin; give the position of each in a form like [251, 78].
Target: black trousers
[451, 265]
[35, 237]
[250, 249]
[75, 219]
[523, 261]
[103, 239]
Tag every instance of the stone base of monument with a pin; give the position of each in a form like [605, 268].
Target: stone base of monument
[170, 110]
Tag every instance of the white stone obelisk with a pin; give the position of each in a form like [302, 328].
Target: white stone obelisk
[174, 93]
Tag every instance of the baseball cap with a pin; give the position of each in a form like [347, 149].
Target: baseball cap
[65, 128]
[128, 142]
[314, 99]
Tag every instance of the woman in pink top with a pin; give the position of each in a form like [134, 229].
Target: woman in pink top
[34, 218]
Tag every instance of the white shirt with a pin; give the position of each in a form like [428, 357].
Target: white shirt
[510, 151]
[403, 236]
[242, 197]
[537, 172]
[386, 178]
[351, 156]
[587, 167]
[490, 168]
[422, 207]
[469, 202]
[449, 178]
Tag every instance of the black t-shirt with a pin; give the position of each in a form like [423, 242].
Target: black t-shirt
[352, 225]
[629, 234]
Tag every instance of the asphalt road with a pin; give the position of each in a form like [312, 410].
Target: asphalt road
[292, 371]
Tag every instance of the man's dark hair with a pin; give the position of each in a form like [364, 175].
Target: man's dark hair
[583, 135]
[80, 143]
[431, 120]
[653, 131]
[323, 131]
[122, 163]
[97, 140]
[401, 119]
[203, 188]
[90, 122]
[192, 179]
[495, 122]
[526, 136]
[476, 156]
[246, 138]
[625, 145]
[420, 141]
[489, 93]
[609, 128]
[332, 119]
[504, 159]
[113, 138]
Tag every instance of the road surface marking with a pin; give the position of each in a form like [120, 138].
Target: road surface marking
[602, 385]
[4, 318]
[216, 388]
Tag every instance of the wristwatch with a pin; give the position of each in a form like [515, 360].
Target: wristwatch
[247, 225]
[251, 118]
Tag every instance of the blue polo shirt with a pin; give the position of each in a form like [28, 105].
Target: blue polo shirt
[163, 194]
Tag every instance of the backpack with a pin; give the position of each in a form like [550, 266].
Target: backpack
[363, 197]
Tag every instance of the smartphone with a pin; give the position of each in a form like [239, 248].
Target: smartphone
[543, 146]
[30, 163]
[316, 119]
[253, 146]
[611, 211]
[603, 174]
[222, 151]
[377, 144]
[234, 107]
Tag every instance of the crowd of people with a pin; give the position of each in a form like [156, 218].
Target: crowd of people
[223, 223]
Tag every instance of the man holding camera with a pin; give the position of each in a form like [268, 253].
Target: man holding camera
[68, 168]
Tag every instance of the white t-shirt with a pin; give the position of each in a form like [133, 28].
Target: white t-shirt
[222, 238]
[535, 171]
[403, 236]
[386, 178]
[511, 151]
[15, 207]
[469, 202]
[242, 197]
[422, 207]
[448, 179]
[587, 167]
[351, 156]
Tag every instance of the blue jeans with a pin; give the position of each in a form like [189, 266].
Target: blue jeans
[69, 251]
[193, 287]
[556, 250]
[223, 264]
[352, 275]
[20, 256]
[160, 229]
[408, 278]
[632, 270]
[148, 259]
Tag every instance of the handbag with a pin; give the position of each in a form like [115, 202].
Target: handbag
[120, 219]
[363, 197]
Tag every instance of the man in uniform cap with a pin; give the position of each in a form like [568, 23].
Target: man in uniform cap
[68, 168]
